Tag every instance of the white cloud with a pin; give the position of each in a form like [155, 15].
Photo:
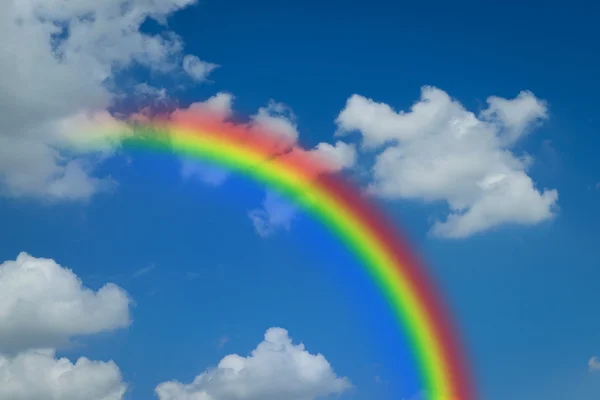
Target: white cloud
[87, 131]
[145, 90]
[144, 270]
[594, 364]
[335, 157]
[275, 213]
[379, 123]
[196, 68]
[42, 305]
[59, 72]
[277, 119]
[279, 122]
[218, 106]
[516, 116]
[439, 151]
[276, 369]
[208, 174]
[38, 375]
[222, 342]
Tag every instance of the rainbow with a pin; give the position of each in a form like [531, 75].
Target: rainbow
[299, 175]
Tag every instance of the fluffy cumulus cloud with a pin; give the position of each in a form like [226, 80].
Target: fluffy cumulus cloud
[196, 68]
[278, 119]
[219, 105]
[42, 305]
[38, 375]
[276, 369]
[336, 157]
[69, 52]
[439, 151]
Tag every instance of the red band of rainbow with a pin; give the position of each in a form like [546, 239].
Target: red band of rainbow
[382, 251]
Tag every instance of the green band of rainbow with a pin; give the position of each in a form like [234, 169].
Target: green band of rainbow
[297, 175]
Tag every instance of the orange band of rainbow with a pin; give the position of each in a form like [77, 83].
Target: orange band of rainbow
[385, 256]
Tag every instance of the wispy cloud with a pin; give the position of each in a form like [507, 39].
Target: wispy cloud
[275, 213]
[594, 364]
[143, 271]
[222, 342]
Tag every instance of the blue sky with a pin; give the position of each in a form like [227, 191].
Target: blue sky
[206, 284]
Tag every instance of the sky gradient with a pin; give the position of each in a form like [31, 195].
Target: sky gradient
[518, 266]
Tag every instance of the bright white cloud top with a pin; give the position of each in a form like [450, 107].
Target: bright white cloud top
[71, 51]
[74, 68]
[439, 151]
[276, 369]
[38, 375]
[43, 305]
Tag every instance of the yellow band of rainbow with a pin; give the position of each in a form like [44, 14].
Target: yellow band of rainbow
[379, 248]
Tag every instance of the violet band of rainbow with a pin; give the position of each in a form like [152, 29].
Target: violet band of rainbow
[397, 274]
